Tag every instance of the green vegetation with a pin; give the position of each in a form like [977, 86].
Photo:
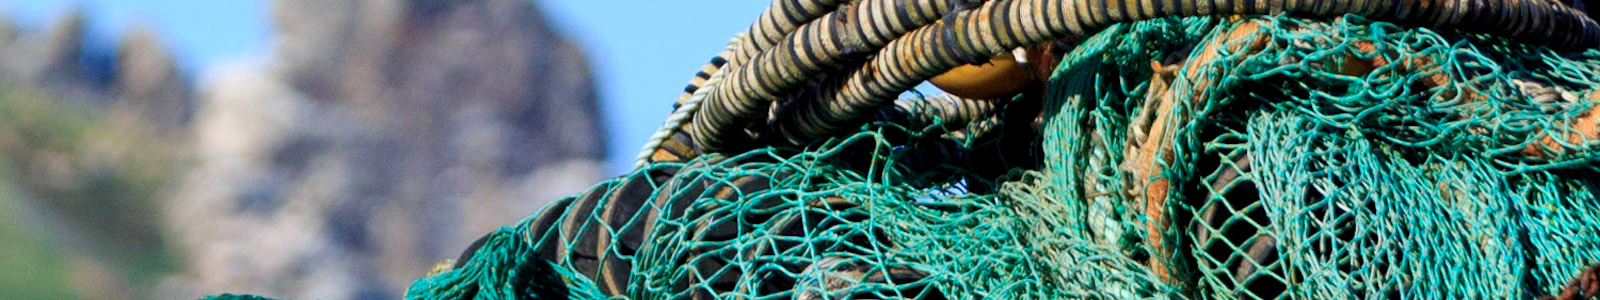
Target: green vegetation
[33, 269]
[94, 182]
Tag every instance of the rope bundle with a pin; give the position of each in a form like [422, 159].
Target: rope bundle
[808, 72]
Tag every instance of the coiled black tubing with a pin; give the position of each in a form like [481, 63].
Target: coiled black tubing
[908, 46]
[774, 24]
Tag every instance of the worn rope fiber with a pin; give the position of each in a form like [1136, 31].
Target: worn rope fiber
[775, 24]
[816, 46]
[680, 115]
[1001, 25]
[668, 144]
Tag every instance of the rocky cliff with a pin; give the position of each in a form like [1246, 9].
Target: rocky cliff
[383, 136]
[379, 137]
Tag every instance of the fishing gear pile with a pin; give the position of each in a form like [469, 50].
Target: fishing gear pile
[1158, 149]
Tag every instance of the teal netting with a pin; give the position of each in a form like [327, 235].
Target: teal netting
[1262, 158]
[234, 297]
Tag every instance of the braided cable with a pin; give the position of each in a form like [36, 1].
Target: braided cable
[682, 113]
[775, 23]
[820, 45]
[1002, 25]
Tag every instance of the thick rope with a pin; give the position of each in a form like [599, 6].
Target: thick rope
[1002, 25]
[775, 24]
[814, 47]
[683, 112]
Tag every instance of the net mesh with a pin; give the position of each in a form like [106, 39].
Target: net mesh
[1214, 158]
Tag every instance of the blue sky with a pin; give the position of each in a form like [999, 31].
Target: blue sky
[200, 32]
[643, 51]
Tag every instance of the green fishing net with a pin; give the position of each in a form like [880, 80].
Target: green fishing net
[1212, 158]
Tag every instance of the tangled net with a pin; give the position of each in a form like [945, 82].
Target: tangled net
[1211, 158]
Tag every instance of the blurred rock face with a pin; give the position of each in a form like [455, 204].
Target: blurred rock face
[383, 136]
[380, 137]
[137, 80]
[406, 56]
[91, 134]
[151, 88]
[57, 60]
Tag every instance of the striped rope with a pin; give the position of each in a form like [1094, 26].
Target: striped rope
[682, 113]
[1002, 25]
